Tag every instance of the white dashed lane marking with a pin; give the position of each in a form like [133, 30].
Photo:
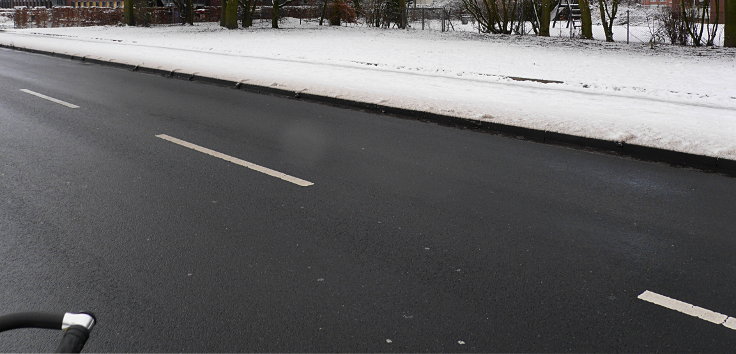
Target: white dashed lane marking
[692, 310]
[63, 103]
[237, 161]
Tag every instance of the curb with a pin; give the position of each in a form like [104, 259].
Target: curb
[639, 152]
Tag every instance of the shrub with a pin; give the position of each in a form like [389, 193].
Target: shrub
[340, 10]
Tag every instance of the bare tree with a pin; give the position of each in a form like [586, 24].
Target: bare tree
[608, 15]
[186, 9]
[231, 13]
[139, 12]
[401, 7]
[246, 16]
[671, 26]
[494, 16]
[586, 22]
[129, 15]
[698, 22]
[189, 15]
[544, 13]
[384, 13]
[223, 11]
[712, 29]
[276, 12]
[324, 11]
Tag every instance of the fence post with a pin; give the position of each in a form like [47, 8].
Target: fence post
[628, 23]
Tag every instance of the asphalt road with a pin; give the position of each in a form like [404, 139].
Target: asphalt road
[413, 237]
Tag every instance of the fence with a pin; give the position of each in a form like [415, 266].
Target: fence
[641, 24]
[66, 17]
[633, 23]
[304, 12]
[98, 16]
[429, 18]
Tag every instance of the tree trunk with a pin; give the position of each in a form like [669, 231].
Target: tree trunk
[402, 14]
[585, 20]
[730, 29]
[607, 26]
[231, 15]
[189, 17]
[324, 9]
[275, 14]
[544, 17]
[691, 17]
[604, 21]
[181, 6]
[243, 14]
[223, 11]
[712, 29]
[128, 12]
[247, 18]
[494, 18]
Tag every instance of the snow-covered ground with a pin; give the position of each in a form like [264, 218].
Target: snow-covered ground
[643, 26]
[676, 98]
[634, 33]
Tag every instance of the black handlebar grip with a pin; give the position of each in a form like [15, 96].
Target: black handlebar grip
[31, 320]
[74, 339]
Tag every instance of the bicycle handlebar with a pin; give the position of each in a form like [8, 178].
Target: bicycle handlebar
[76, 326]
[73, 340]
[31, 320]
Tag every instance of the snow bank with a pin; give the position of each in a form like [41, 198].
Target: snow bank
[681, 99]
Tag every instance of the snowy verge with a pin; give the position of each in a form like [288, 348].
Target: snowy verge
[669, 100]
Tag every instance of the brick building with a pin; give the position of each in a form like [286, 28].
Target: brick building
[84, 3]
[9, 4]
[675, 4]
[652, 3]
